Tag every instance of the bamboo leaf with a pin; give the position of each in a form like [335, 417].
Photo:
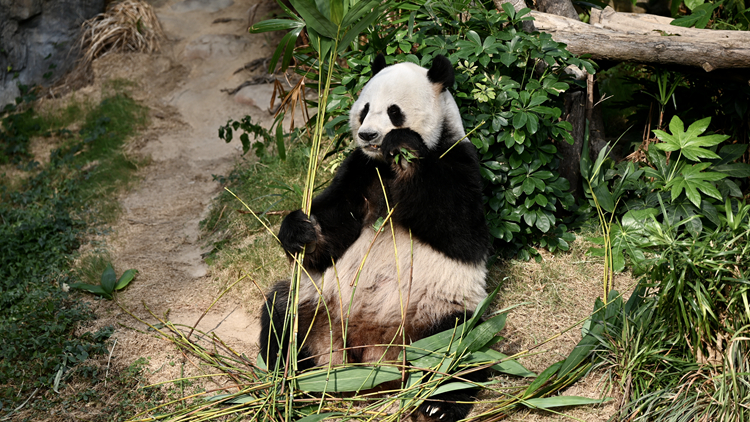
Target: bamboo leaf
[507, 366]
[357, 29]
[275, 25]
[350, 378]
[356, 12]
[318, 417]
[314, 19]
[562, 401]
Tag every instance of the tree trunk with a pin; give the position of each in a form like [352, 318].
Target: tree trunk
[638, 38]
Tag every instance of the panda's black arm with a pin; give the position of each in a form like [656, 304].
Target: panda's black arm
[440, 199]
[336, 215]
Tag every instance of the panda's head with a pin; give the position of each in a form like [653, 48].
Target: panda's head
[406, 96]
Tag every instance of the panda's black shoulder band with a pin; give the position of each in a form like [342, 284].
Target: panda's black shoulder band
[441, 72]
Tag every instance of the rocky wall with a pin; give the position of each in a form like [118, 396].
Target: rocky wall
[38, 40]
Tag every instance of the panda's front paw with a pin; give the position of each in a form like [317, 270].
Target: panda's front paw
[402, 148]
[297, 231]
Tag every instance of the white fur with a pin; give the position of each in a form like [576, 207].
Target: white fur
[425, 105]
[387, 291]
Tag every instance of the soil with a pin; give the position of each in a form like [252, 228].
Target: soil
[158, 231]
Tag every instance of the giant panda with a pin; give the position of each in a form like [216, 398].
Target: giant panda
[438, 274]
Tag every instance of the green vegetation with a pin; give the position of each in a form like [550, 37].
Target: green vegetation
[109, 283]
[676, 215]
[44, 215]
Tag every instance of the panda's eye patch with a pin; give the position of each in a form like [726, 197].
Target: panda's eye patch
[396, 116]
[363, 114]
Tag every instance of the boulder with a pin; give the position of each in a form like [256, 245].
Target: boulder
[38, 41]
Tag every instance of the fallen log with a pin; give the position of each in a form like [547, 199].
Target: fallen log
[628, 37]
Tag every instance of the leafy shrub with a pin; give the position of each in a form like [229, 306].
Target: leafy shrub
[508, 87]
[42, 220]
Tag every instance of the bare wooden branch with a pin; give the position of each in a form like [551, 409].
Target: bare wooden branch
[647, 39]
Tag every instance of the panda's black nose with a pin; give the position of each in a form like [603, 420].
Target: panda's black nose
[367, 136]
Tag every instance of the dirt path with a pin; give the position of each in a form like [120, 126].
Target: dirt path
[158, 232]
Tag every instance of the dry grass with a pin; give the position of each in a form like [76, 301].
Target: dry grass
[559, 293]
[126, 26]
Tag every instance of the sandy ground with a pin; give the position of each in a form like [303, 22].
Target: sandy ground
[158, 231]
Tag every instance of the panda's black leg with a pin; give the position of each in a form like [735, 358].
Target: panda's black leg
[274, 341]
[454, 405]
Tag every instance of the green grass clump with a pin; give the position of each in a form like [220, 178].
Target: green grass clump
[43, 218]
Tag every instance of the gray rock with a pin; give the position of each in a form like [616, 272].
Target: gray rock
[38, 40]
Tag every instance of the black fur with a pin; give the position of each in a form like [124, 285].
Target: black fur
[442, 202]
[364, 112]
[339, 213]
[273, 336]
[441, 72]
[396, 115]
[378, 64]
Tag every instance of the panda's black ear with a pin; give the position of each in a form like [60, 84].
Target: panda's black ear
[441, 72]
[378, 64]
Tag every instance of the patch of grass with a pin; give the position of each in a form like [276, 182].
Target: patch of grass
[241, 244]
[43, 218]
[90, 266]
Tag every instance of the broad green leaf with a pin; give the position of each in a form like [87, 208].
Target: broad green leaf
[507, 366]
[671, 143]
[561, 401]
[734, 169]
[542, 378]
[528, 186]
[474, 37]
[91, 288]
[690, 144]
[482, 334]
[696, 128]
[126, 278]
[482, 307]
[604, 198]
[276, 25]
[348, 378]
[676, 126]
[293, 35]
[581, 351]
[356, 12]
[692, 4]
[519, 119]
[109, 279]
[308, 10]
[693, 178]
[543, 222]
